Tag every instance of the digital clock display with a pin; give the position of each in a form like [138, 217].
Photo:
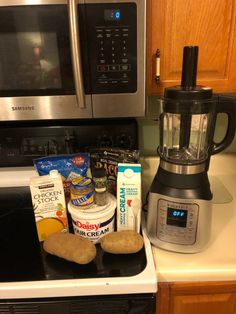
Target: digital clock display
[177, 217]
[112, 15]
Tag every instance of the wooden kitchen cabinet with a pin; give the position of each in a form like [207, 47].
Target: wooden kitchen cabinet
[197, 298]
[209, 24]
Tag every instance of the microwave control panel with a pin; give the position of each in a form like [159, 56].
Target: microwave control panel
[110, 44]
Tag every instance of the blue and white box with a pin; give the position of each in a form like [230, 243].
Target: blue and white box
[129, 203]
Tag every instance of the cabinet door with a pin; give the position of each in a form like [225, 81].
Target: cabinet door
[204, 304]
[197, 298]
[209, 24]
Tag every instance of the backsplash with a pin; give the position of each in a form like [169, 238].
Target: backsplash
[149, 130]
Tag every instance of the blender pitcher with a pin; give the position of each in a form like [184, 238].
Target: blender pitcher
[179, 209]
[184, 135]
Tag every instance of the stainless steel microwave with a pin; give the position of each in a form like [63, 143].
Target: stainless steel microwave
[72, 59]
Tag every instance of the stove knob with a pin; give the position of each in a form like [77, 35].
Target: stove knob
[124, 141]
[105, 141]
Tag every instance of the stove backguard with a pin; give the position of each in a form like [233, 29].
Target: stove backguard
[20, 143]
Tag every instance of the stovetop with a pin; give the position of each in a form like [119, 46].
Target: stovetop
[27, 271]
[24, 259]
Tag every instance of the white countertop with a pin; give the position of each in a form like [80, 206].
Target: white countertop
[218, 260]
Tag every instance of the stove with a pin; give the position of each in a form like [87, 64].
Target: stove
[32, 281]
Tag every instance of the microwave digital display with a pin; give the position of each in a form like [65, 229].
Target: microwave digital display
[112, 15]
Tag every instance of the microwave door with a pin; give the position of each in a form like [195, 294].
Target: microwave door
[36, 68]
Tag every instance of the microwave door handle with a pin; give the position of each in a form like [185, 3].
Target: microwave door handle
[76, 54]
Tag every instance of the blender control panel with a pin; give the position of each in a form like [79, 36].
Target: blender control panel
[177, 222]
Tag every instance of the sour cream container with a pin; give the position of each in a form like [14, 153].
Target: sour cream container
[94, 222]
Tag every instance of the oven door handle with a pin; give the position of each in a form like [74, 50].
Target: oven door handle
[76, 53]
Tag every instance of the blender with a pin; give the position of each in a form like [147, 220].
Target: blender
[180, 198]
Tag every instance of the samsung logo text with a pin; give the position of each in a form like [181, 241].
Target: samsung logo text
[22, 108]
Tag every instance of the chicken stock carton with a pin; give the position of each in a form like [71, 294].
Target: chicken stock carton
[49, 204]
[129, 203]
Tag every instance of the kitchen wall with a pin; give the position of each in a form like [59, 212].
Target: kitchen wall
[149, 129]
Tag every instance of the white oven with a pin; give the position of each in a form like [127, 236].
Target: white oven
[32, 281]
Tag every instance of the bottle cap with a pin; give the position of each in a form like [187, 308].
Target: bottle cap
[99, 172]
[54, 173]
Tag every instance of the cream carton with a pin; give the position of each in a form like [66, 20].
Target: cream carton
[49, 204]
[129, 203]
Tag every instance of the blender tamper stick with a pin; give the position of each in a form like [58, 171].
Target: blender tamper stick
[188, 82]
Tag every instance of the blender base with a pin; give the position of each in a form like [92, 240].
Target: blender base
[179, 225]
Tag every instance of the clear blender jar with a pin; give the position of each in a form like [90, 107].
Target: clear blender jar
[184, 134]
[187, 122]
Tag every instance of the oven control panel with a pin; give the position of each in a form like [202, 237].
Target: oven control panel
[20, 145]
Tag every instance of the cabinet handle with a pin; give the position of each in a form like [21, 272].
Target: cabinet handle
[157, 65]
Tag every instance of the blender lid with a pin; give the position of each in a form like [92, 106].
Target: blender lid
[188, 90]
